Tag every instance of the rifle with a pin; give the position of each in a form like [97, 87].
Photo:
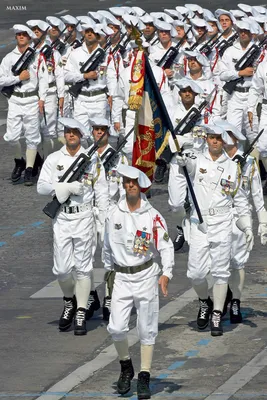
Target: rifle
[77, 170]
[22, 64]
[90, 65]
[194, 46]
[207, 48]
[110, 157]
[122, 47]
[242, 159]
[155, 41]
[245, 61]
[170, 55]
[77, 43]
[55, 45]
[190, 119]
[224, 44]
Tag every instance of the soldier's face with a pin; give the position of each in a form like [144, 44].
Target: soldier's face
[132, 188]
[180, 31]
[23, 38]
[187, 95]
[98, 131]
[194, 65]
[37, 31]
[215, 144]
[200, 30]
[54, 32]
[164, 36]
[214, 28]
[149, 29]
[244, 36]
[73, 137]
[225, 22]
[90, 37]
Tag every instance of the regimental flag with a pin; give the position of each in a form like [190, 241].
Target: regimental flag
[151, 128]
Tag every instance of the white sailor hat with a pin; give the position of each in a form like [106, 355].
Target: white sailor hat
[258, 10]
[104, 30]
[244, 25]
[199, 57]
[185, 26]
[194, 8]
[105, 13]
[128, 10]
[185, 83]
[113, 21]
[221, 11]
[165, 26]
[132, 19]
[84, 19]
[134, 173]
[18, 28]
[70, 20]
[260, 18]
[201, 23]
[208, 15]
[73, 123]
[54, 21]
[42, 25]
[173, 13]
[139, 12]
[230, 128]
[97, 17]
[256, 29]
[97, 28]
[218, 130]
[117, 11]
[162, 16]
[147, 19]
[182, 10]
[245, 7]
[238, 13]
[99, 121]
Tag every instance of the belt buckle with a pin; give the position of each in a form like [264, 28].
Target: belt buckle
[211, 211]
[23, 95]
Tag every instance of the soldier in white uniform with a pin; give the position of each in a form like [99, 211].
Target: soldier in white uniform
[216, 186]
[135, 235]
[251, 184]
[25, 104]
[74, 225]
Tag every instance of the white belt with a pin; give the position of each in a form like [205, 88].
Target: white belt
[216, 211]
[76, 209]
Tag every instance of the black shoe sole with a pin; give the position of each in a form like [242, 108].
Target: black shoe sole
[80, 333]
[123, 391]
[201, 328]
[215, 333]
[14, 180]
[65, 328]
[28, 183]
[236, 321]
[143, 396]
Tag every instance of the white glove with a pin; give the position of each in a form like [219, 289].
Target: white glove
[244, 223]
[262, 230]
[76, 188]
[181, 160]
[62, 191]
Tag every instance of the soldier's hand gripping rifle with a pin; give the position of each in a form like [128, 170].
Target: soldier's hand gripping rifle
[168, 59]
[111, 156]
[57, 44]
[22, 65]
[91, 64]
[225, 43]
[247, 60]
[73, 173]
[242, 159]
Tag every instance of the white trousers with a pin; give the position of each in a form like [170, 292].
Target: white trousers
[177, 186]
[23, 118]
[73, 240]
[49, 129]
[262, 142]
[210, 252]
[239, 253]
[67, 111]
[144, 296]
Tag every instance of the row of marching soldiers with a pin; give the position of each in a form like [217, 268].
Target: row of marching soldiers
[73, 88]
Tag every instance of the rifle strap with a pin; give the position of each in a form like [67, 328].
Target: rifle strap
[216, 59]
[209, 108]
[239, 176]
[98, 169]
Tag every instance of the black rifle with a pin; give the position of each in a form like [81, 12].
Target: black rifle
[190, 119]
[207, 48]
[122, 47]
[22, 64]
[245, 61]
[155, 41]
[197, 42]
[242, 159]
[90, 65]
[111, 155]
[77, 43]
[77, 169]
[57, 44]
[168, 59]
[225, 43]
[60, 46]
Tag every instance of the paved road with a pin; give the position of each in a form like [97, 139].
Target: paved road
[36, 358]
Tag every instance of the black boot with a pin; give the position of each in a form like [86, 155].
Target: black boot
[20, 165]
[106, 308]
[264, 189]
[143, 391]
[205, 310]
[38, 163]
[179, 239]
[235, 313]
[92, 305]
[127, 374]
[228, 299]
[80, 322]
[160, 171]
[216, 323]
[28, 177]
[68, 313]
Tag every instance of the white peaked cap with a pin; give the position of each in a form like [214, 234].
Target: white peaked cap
[245, 7]
[194, 8]
[185, 82]
[258, 9]
[133, 19]
[99, 121]
[117, 11]
[38, 22]
[139, 12]
[54, 21]
[203, 60]
[208, 15]
[128, 10]
[70, 20]
[73, 123]
[105, 13]
[134, 173]
[96, 16]
[173, 13]
[113, 21]
[221, 11]
[18, 28]
[230, 127]
[84, 19]
[182, 10]
[246, 25]
[218, 130]
[238, 13]
[201, 23]
[165, 26]
[147, 19]
[104, 29]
